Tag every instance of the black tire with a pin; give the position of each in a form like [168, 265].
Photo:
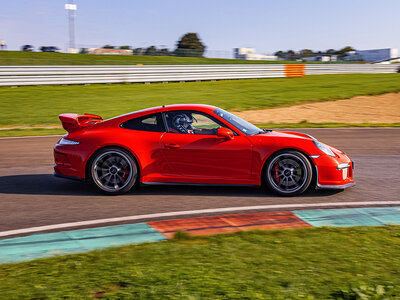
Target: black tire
[113, 170]
[288, 173]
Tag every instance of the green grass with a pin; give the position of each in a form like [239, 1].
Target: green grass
[324, 125]
[40, 58]
[312, 263]
[40, 105]
[32, 132]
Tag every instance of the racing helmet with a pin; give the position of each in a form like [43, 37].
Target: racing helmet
[183, 123]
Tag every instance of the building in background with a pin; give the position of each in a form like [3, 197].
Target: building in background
[2, 45]
[372, 55]
[108, 51]
[248, 53]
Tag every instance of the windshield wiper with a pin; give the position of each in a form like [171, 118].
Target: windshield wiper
[263, 131]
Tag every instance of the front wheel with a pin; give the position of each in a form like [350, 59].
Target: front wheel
[113, 171]
[288, 173]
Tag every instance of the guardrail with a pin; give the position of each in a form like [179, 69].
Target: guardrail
[45, 75]
[313, 69]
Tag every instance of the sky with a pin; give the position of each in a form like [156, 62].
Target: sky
[267, 26]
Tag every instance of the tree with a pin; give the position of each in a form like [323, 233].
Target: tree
[190, 45]
[343, 51]
[291, 55]
[151, 51]
[280, 54]
[306, 53]
[138, 51]
[164, 52]
[108, 47]
[125, 47]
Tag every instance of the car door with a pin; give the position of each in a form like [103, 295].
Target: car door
[200, 153]
[143, 135]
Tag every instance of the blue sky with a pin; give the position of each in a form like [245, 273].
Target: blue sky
[265, 25]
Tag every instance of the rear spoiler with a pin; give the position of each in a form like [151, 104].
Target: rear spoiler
[74, 122]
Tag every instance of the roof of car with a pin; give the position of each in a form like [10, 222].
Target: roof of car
[199, 107]
[203, 107]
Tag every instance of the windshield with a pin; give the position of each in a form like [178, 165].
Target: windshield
[244, 126]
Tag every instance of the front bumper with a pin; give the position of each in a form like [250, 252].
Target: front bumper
[334, 172]
[334, 187]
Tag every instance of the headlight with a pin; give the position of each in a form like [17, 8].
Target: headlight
[324, 148]
[64, 141]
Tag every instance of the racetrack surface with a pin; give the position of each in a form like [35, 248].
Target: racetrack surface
[30, 196]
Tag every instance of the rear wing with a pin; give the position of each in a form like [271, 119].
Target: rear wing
[74, 122]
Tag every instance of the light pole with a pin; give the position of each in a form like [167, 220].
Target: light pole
[71, 8]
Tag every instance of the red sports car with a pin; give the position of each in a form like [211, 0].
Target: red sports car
[194, 144]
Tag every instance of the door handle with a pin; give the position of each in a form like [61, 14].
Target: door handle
[172, 146]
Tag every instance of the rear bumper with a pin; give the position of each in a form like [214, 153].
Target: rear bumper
[69, 161]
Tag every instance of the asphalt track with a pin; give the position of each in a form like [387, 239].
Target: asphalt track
[30, 196]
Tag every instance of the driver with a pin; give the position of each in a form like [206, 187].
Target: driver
[183, 123]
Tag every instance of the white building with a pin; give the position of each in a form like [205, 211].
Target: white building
[109, 51]
[248, 53]
[372, 55]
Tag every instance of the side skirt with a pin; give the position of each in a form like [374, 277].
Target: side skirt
[68, 177]
[196, 184]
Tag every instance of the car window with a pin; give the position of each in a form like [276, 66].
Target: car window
[151, 122]
[244, 126]
[191, 122]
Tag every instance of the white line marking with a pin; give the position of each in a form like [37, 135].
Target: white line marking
[191, 212]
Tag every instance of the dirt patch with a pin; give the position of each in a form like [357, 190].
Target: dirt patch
[362, 109]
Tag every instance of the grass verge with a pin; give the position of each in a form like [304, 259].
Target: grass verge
[40, 105]
[324, 125]
[312, 263]
[40, 58]
[32, 132]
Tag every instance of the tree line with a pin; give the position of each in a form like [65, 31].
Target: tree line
[189, 45]
[293, 55]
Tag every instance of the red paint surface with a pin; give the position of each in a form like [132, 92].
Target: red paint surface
[230, 223]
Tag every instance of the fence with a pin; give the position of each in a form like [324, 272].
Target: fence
[45, 75]
[313, 69]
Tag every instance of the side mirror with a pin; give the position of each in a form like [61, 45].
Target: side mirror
[225, 133]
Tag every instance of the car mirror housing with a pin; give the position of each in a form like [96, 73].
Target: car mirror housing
[225, 133]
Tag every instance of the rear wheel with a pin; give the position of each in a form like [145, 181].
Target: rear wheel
[113, 171]
[288, 173]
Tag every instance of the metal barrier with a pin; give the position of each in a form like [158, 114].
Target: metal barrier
[314, 69]
[45, 75]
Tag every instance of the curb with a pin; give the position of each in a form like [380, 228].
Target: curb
[67, 242]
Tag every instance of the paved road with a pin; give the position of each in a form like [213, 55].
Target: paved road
[31, 196]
